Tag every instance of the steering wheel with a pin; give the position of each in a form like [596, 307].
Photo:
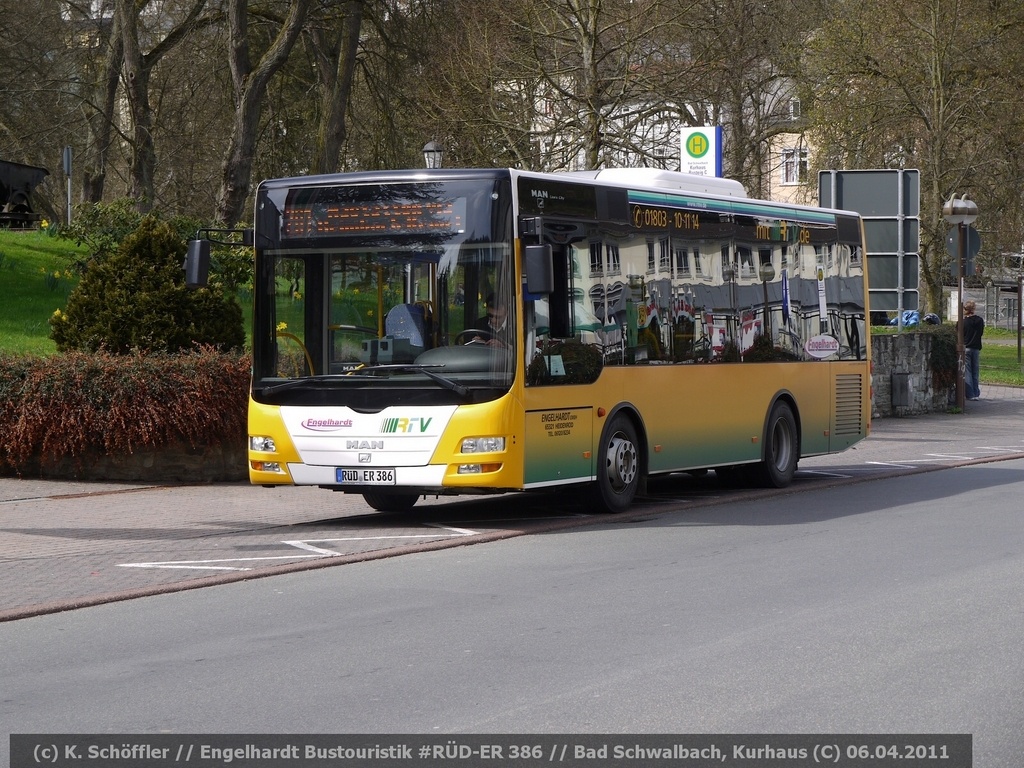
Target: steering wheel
[485, 336]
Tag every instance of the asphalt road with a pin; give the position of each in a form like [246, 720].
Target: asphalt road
[888, 605]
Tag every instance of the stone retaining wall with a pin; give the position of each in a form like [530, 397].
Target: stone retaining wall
[902, 381]
[175, 464]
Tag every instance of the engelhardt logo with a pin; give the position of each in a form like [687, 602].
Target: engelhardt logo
[326, 425]
[822, 346]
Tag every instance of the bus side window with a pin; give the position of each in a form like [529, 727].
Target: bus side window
[559, 309]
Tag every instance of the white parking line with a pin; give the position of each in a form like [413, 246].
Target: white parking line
[301, 544]
[202, 564]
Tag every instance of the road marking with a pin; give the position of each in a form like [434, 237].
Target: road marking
[301, 544]
[202, 564]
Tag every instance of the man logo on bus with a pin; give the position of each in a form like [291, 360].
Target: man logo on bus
[697, 145]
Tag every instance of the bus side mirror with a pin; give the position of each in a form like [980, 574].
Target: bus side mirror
[540, 269]
[197, 264]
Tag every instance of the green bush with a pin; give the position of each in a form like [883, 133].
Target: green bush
[77, 404]
[101, 227]
[135, 299]
[943, 359]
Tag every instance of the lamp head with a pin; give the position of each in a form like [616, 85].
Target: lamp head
[432, 154]
[960, 210]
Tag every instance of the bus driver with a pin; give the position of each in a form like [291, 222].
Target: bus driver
[495, 323]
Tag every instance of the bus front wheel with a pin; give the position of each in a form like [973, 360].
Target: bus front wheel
[618, 466]
[390, 501]
[781, 448]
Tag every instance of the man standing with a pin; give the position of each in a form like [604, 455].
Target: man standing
[974, 327]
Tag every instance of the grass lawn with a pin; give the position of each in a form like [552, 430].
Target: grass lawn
[999, 362]
[35, 279]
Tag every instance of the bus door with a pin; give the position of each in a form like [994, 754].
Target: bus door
[562, 364]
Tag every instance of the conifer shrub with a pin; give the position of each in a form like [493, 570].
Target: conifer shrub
[134, 299]
[87, 404]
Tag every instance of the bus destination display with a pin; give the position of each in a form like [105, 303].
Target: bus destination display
[646, 216]
[393, 217]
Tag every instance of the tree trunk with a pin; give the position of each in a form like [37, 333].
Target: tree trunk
[136, 86]
[250, 84]
[336, 88]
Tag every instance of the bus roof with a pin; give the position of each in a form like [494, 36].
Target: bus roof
[658, 178]
[652, 179]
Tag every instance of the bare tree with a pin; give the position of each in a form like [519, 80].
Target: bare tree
[136, 78]
[34, 97]
[923, 84]
[250, 83]
[334, 40]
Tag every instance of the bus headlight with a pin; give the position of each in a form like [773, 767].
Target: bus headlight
[483, 444]
[266, 466]
[477, 469]
[262, 444]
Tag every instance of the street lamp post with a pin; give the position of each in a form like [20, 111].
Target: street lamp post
[961, 212]
[432, 154]
[730, 273]
[767, 274]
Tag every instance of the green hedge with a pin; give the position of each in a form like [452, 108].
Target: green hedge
[97, 404]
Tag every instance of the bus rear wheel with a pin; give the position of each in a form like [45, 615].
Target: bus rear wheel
[781, 449]
[390, 501]
[618, 467]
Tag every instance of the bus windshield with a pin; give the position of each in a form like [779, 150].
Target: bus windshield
[372, 292]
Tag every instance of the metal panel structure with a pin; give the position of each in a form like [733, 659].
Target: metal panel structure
[890, 202]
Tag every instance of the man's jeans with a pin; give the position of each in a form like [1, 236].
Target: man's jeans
[972, 368]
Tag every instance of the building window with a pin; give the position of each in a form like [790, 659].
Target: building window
[746, 259]
[794, 166]
[664, 257]
[682, 262]
[596, 260]
[614, 267]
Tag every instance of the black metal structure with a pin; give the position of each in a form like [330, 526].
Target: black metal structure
[17, 182]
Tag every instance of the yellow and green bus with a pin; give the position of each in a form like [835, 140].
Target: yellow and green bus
[433, 332]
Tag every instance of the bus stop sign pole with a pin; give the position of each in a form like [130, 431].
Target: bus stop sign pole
[67, 174]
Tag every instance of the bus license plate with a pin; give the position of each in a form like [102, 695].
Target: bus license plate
[376, 476]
